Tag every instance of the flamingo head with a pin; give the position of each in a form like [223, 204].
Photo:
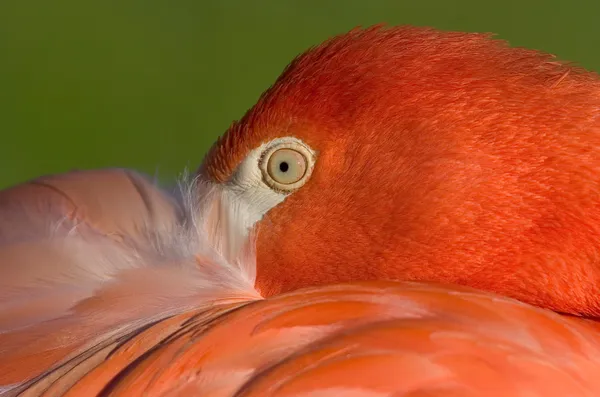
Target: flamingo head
[409, 153]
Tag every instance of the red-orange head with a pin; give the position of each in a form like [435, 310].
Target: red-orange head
[413, 154]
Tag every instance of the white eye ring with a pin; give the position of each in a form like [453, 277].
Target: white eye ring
[286, 165]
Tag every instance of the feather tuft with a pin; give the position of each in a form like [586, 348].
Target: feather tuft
[79, 283]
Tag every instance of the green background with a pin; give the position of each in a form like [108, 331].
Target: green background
[150, 84]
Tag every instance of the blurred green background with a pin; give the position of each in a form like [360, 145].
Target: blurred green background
[150, 84]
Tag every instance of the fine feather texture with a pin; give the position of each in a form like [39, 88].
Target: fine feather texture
[361, 339]
[441, 156]
[60, 267]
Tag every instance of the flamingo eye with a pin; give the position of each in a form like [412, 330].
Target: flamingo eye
[287, 166]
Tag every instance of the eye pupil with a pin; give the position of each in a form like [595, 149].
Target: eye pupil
[284, 166]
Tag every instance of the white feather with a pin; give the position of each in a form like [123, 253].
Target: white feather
[202, 255]
[67, 283]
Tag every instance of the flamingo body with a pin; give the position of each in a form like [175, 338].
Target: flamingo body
[405, 212]
[360, 339]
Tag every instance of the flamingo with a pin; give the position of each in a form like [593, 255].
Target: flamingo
[404, 212]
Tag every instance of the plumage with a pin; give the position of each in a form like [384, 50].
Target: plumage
[435, 234]
[95, 254]
[442, 156]
[370, 339]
